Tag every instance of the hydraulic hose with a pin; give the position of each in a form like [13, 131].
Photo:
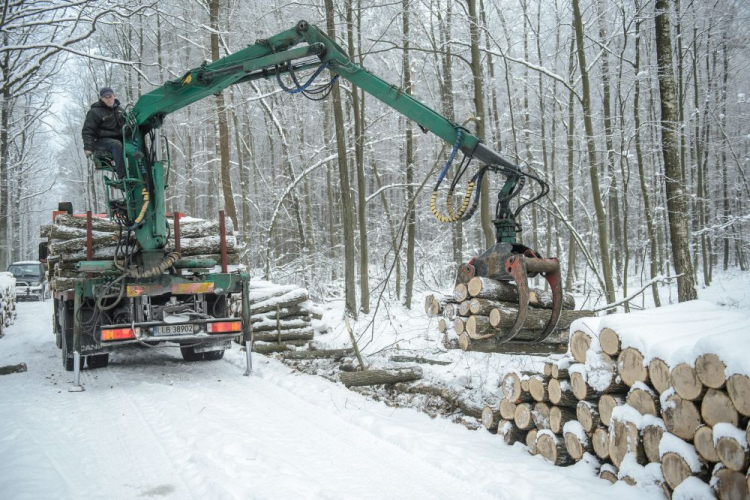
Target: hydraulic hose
[166, 263]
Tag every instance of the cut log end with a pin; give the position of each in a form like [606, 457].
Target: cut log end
[553, 450]
[588, 415]
[675, 469]
[575, 447]
[681, 417]
[704, 444]
[686, 383]
[607, 403]
[652, 435]
[731, 485]
[600, 443]
[711, 371]
[732, 454]
[579, 344]
[610, 341]
[717, 407]
[630, 366]
[738, 388]
[658, 372]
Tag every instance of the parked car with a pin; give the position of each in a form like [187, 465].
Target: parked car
[31, 280]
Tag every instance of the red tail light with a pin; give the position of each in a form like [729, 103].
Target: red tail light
[225, 327]
[117, 334]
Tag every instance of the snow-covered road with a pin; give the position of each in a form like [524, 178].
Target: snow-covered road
[151, 425]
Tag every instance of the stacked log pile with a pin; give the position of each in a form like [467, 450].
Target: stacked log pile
[480, 312]
[66, 237]
[660, 397]
[7, 301]
[281, 316]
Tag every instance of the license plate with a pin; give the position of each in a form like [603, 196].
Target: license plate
[174, 330]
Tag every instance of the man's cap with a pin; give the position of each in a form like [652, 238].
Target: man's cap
[106, 91]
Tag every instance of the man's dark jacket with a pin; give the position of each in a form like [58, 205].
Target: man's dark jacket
[102, 121]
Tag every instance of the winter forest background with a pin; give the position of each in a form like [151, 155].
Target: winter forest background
[510, 70]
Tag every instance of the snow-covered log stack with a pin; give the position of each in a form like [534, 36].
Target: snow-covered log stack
[7, 300]
[66, 237]
[660, 397]
[480, 311]
[281, 316]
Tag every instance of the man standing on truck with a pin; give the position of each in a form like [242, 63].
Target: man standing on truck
[102, 129]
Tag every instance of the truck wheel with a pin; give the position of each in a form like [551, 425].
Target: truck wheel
[214, 355]
[98, 360]
[67, 362]
[189, 354]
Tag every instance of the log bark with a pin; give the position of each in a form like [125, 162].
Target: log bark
[463, 309]
[583, 391]
[553, 449]
[560, 368]
[630, 366]
[507, 409]
[285, 335]
[658, 373]
[377, 377]
[704, 444]
[732, 453]
[490, 418]
[334, 354]
[548, 369]
[579, 344]
[607, 403]
[419, 359]
[494, 345]
[644, 400]
[623, 439]
[600, 443]
[459, 325]
[587, 413]
[504, 317]
[675, 469]
[509, 432]
[686, 383]
[651, 435]
[287, 300]
[271, 325]
[8, 369]
[717, 407]
[270, 348]
[482, 307]
[522, 417]
[561, 394]
[486, 288]
[540, 415]
[434, 304]
[610, 341]
[738, 388]
[730, 485]
[559, 416]
[681, 417]
[538, 388]
[711, 371]
[575, 447]
[478, 326]
[531, 441]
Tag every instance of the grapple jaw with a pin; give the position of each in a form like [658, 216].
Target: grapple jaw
[514, 262]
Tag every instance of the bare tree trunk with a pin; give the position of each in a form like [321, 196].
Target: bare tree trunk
[359, 155]
[347, 208]
[226, 174]
[411, 216]
[572, 245]
[601, 217]
[676, 196]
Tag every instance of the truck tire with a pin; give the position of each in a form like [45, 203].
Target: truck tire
[98, 360]
[189, 354]
[214, 355]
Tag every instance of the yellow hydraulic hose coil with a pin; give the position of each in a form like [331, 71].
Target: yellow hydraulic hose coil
[452, 216]
[140, 217]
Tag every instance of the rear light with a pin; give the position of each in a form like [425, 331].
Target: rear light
[117, 334]
[224, 327]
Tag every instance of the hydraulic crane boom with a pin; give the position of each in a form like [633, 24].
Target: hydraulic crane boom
[280, 54]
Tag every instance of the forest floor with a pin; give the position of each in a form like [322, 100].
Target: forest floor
[150, 425]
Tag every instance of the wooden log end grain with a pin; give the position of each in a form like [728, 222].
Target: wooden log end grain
[547, 369]
[522, 416]
[463, 309]
[607, 403]
[630, 366]
[460, 293]
[643, 399]
[490, 418]
[731, 447]
[681, 417]
[717, 407]
[560, 393]
[578, 385]
[730, 485]
[609, 473]
[459, 324]
[552, 449]
[540, 414]
[738, 388]
[576, 446]
[704, 444]
[624, 438]
[507, 409]
[559, 416]
[531, 441]
[675, 469]
[442, 325]
[600, 442]
[587, 414]
[538, 388]
[711, 371]
[685, 382]
[428, 308]
[651, 435]
[579, 344]
[610, 341]
[658, 373]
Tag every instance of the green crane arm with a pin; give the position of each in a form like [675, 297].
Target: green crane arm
[265, 59]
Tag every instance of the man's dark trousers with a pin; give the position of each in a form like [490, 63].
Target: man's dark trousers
[114, 147]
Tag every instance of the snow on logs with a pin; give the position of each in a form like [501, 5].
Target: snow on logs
[481, 310]
[660, 396]
[7, 300]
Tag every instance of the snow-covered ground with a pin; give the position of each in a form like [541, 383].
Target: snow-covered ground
[151, 425]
